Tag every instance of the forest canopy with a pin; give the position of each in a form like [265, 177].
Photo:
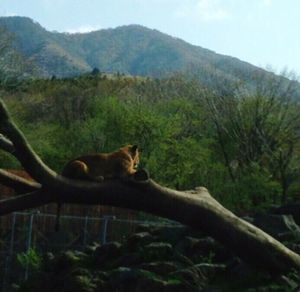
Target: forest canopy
[243, 145]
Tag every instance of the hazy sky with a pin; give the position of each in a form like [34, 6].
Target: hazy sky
[262, 32]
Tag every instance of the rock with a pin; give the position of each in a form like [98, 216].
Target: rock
[290, 283]
[149, 284]
[210, 268]
[102, 275]
[157, 251]
[154, 284]
[204, 248]
[90, 249]
[145, 228]
[35, 283]
[129, 260]
[106, 253]
[211, 250]
[126, 279]
[67, 260]
[80, 271]
[81, 284]
[174, 285]
[292, 209]
[191, 277]
[49, 256]
[146, 264]
[111, 249]
[139, 280]
[186, 245]
[161, 268]
[171, 234]
[206, 244]
[49, 261]
[137, 240]
[279, 226]
[122, 279]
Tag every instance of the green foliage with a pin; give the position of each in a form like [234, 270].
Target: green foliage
[180, 164]
[8, 161]
[177, 132]
[30, 259]
[255, 190]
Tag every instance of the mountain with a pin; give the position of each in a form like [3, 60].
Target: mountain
[131, 49]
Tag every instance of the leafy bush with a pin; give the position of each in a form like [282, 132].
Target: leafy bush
[30, 259]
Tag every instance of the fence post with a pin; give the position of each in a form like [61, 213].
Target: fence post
[29, 238]
[104, 228]
[10, 253]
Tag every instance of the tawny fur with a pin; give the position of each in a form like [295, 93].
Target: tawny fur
[96, 167]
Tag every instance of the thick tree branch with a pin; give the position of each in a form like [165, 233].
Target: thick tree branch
[197, 209]
[28, 158]
[19, 184]
[26, 201]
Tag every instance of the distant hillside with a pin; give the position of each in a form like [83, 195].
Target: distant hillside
[129, 49]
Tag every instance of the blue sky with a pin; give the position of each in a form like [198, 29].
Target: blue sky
[262, 32]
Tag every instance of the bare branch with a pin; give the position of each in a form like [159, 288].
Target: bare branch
[28, 158]
[6, 145]
[19, 184]
[23, 202]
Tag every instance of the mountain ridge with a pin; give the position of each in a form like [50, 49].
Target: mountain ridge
[27, 32]
[130, 49]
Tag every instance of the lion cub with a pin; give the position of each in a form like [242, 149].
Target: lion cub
[100, 166]
[97, 167]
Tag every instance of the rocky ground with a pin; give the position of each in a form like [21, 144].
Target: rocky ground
[164, 259]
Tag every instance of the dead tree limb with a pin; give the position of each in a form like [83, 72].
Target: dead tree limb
[6, 145]
[25, 201]
[197, 209]
[19, 184]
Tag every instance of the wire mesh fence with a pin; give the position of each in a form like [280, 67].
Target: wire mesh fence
[27, 231]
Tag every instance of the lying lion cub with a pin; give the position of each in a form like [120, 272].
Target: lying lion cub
[99, 166]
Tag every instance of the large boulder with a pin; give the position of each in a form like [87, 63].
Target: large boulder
[292, 209]
[138, 240]
[156, 251]
[128, 279]
[202, 249]
[105, 255]
[181, 262]
[161, 267]
[282, 227]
